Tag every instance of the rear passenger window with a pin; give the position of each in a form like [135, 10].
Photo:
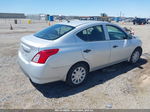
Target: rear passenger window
[95, 33]
[83, 35]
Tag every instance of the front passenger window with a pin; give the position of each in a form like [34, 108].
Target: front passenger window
[116, 33]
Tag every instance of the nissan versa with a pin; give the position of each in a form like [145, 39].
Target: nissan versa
[68, 51]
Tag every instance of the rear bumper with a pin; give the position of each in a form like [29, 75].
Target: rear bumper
[41, 73]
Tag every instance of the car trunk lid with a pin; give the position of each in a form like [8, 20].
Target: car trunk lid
[30, 46]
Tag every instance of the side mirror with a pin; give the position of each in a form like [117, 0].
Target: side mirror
[129, 31]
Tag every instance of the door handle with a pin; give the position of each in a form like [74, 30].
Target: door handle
[115, 46]
[87, 50]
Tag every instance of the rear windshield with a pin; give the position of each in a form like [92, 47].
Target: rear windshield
[54, 32]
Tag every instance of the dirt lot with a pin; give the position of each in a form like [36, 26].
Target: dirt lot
[118, 87]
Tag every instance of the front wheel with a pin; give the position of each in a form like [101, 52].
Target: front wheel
[77, 74]
[135, 56]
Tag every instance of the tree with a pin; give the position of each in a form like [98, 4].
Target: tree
[103, 15]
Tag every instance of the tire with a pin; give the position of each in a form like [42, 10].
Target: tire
[77, 74]
[135, 56]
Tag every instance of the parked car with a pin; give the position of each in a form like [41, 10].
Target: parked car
[140, 21]
[148, 21]
[69, 51]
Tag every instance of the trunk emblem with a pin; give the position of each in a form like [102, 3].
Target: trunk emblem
[26, 48]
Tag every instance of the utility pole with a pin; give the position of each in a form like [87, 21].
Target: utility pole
[120, 14]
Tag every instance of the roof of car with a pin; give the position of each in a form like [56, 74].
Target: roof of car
[76, 23]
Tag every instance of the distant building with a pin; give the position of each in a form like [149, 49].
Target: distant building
[96, 18]
[12, 15]
[33, 16]
[37, 16]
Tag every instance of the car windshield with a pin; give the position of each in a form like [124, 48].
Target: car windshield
[54, 32]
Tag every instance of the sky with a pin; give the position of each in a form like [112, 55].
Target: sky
[128, 8]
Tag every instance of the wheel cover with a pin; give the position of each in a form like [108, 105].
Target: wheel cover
[78, 75]
[135, 56]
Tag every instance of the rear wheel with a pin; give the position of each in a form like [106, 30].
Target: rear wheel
[77, 74]
[135, 56]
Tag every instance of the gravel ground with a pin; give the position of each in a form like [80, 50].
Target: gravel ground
[122, 86]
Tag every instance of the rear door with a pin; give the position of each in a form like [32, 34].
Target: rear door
[120, 44]
[95, 48]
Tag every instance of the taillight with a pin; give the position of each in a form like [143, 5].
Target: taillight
[42, 56]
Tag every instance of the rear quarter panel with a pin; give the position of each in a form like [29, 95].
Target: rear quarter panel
[67, 56]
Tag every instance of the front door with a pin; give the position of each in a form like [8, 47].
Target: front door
[120, 44]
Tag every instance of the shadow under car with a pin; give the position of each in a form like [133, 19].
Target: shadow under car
[60, 89]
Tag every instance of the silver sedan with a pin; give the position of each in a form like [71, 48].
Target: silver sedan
[68, 51]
